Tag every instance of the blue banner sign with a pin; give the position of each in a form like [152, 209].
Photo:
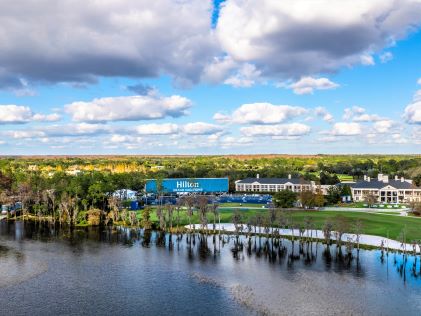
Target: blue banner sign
[188, 185]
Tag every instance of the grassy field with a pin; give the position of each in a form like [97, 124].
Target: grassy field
[373, 224]
[241, 205]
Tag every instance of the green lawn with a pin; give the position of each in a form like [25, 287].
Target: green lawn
[241, 205]
[374, 224]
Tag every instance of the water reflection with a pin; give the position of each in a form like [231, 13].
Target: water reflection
[290, 254]
[278, 275]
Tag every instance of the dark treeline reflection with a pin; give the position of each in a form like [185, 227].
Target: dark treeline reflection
[290, 254]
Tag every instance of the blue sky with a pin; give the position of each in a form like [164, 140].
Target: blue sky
[196, 77]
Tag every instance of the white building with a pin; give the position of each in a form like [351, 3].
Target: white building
[273, 184]
[393, 191]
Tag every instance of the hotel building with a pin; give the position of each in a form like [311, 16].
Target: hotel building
[273, 184]
[393, 191]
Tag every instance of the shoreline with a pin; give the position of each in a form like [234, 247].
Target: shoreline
[366, 240]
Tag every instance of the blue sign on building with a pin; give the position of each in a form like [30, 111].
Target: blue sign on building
[188, 185]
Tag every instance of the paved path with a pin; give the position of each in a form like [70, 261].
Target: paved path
[369, 240]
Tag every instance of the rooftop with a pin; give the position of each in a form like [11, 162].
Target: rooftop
[384, 181]
[274, 181]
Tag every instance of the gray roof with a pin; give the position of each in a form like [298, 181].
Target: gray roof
[274, 181]
[375, 184]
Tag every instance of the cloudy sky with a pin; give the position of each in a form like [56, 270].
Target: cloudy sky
[210, 77]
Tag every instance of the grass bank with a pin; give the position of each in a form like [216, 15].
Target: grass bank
[373, 224]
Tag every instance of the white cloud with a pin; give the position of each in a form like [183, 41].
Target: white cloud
[346, 129]
[230, 141]
[398, 138]
[78, 40]
[46, 118]
[384, 126]
[412, 113]
[261, 113]
[322, 112]
[292, 38]
[17, 114]
[201, 128]
[25, 134]
[349, 113]
[119, 139]
[417, 96]
[307, 85]
[80, 129]
[131, 108]
[246, 77]
[293, 129]
[367, 118]
[358, 114]
[367, 60]
[158, 129]
[386, 57]
[217, 71]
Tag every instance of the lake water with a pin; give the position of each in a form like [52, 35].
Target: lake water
[124, 272]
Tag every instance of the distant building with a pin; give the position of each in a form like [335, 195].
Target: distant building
[274, 184]
[393, 191]
[125, 194]
[187, 185]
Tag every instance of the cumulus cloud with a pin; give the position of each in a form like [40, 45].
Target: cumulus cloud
[367, 60]
[18, 114]
[218, 69]
[246, 77]
[261, 113]
[201, 128]
[358, 114]
[323, 113]
[295, 38]
[346, 129]
[131, 108]
[157, 129]
[307, 85]
[412, 113]
[195, 128]
[79, 40]
[60, 131]
[293, 129]
[70, 130]
[383, 126]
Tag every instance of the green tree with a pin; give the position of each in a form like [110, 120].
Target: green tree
[333, 195]
[285, 199]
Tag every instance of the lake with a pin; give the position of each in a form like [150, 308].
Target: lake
[93, 271]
